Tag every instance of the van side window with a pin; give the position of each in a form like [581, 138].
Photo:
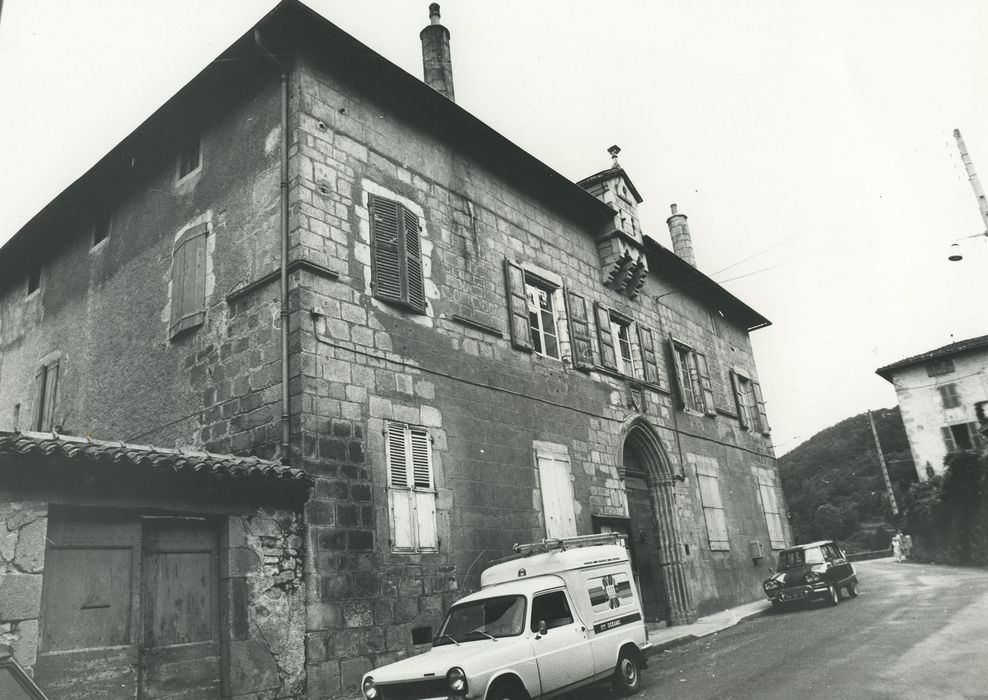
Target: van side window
[551, 608]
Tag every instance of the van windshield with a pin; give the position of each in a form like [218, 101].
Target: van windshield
[500, 616]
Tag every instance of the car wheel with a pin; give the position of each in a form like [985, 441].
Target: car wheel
[627, 675]
[852, 589]
[507, 690]
[833, 596]
[776, 605]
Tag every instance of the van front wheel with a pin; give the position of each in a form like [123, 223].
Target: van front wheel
[627, 675]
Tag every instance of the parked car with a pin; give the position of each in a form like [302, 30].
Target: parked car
[558, 615]
[818, 570]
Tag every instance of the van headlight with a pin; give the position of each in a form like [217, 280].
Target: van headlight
[456, 679]
[370, 690]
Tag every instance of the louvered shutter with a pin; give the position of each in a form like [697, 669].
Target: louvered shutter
[649, 360]
[678, 367]
[400, 497]
[385, 218]
[411, 492]
[51, 395]
[421, 459]
[605, 336]
[708, 392]
[397, 455]
[948, 439]
[579, 331]
[189, 280]
[763, 426]
[415, 290]
[39, 398]
[521, 329]
[739, 400]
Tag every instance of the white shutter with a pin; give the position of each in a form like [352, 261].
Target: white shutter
[402, 519]
[773, 519]
[557, 495]
[713, 512]
[425, 513]
[411, 489]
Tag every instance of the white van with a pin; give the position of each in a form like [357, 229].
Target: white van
[557, 615]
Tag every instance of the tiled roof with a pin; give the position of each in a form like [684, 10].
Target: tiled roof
[945, 351]
[82, 450]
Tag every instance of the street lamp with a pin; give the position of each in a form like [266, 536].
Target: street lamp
[955, 248]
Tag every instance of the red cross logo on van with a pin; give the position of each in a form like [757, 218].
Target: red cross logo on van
[610, 588]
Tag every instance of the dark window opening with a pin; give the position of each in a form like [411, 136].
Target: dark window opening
[101, 229]
[944, 365]
[949, 396]
[189, 157]
[34, 279]
[552, 609]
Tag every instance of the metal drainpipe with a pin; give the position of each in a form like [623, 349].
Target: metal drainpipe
[284, 313]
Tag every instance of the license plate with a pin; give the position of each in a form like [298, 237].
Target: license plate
[793, 596]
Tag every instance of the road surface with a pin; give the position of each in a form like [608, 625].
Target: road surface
[915, 631]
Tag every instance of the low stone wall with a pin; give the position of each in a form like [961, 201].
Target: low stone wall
[23, 526]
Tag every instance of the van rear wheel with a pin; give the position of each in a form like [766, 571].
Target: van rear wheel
[627, 675]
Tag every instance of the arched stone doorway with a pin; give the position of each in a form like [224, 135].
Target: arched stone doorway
[654, 536]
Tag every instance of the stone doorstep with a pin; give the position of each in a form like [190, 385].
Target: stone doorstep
[663, 638]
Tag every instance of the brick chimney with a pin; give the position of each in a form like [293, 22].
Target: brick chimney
[437, 65]
[682, 244]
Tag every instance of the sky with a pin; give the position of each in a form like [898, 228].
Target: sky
[808, 143]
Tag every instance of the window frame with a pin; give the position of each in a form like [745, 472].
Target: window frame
[749, 402]
[940, 366]
[403, 287]
[46, 395]
[101, 224]
[538, 334]
[712, 503]
[695, 396]
[768, 495]
[412, 495]
[182, 159]
[950, 397]
[188, 305]
[950, 437]
[34, 278]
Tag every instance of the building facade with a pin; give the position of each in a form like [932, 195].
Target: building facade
[308, 258]
[942, 394]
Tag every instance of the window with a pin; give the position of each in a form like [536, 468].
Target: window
[622, 334]
[534, 305]
[773, 513]
[188, 303]
[556, 485]
[949, 396]
[45, 396]
[609, 592]
[960, 437]
[693, 379]
[101, 228]
[34, 278]
[551, 608]
[189, 157]
[707, 477]
[397, 255]
[750, 405]
[581, 349]
[940, 366]
[542, 318]
[411, 488]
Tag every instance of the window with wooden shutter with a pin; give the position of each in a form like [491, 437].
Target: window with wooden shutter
[411, 488]
[605, 337]
[707, 479]
[705, 386]
[46, 396]
[579, 331]
[514, 282]
[773, 515]
[740, 400]
[650, 361]
[763, 425]
[556, 486]
[397, 254]
[688, 386]
[188, 303]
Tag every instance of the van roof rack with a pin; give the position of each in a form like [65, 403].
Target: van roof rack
[562, 544]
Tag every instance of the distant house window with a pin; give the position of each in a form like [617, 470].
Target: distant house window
[45, 396]
[34, 278]
[397, 255]
[960, 437]
[750, 404]
[411, 488]
[101, 228]
[949, 396]
[941, 366]
[708, 478]
[693, 379]
[189, 157]
[188, 302]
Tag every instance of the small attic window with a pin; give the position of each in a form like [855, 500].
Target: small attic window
[34, 278]
[189, 157]
[101, 228]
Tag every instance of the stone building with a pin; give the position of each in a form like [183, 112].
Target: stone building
[942, 395]
[310, 268]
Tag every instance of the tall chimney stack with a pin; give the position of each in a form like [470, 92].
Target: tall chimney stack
[437, 65]
[682, 244]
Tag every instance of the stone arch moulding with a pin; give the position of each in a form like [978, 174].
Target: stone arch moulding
[639, 435]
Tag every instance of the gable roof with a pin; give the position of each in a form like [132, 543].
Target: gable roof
[957, 348]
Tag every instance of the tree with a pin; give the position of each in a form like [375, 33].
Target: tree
[828, 523]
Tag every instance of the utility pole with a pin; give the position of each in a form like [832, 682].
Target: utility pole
[881, 461]
[973, 177]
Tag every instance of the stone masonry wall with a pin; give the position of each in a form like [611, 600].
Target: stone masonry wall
[23, 525]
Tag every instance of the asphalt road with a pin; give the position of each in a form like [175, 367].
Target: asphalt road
[915, 631]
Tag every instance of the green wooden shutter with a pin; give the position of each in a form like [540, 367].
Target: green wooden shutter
[739, 400]
[649, 360]
[385, 223]
[605, 337]
[579, 331]
[521, 329]
[678, 371]
[414, 286]
[708, 392]
[762, 413]
[189, 280]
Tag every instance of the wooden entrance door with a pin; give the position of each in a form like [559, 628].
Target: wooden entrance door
[644, 543]
[180, 649]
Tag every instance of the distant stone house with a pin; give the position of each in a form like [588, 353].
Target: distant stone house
[942, 395]
[311, 297]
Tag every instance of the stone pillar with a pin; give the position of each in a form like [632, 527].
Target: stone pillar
[437, 62]
[23, 527]
[681, 609]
